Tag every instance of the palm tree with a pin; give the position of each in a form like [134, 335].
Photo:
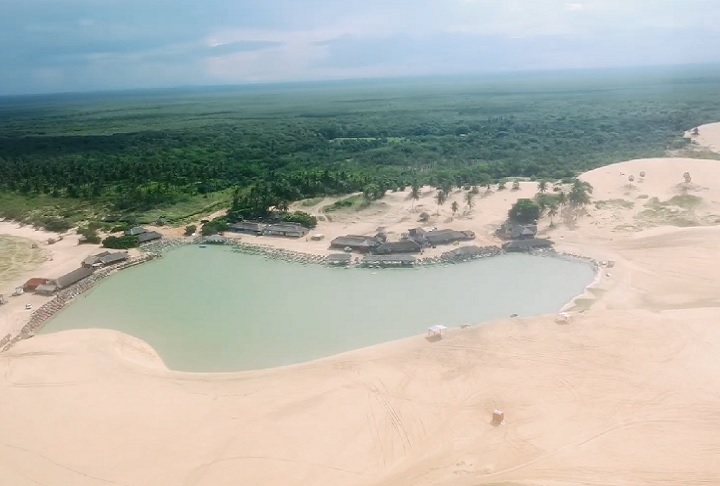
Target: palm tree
[488, 187]
[454, 208]
[687, 177]
[469, 200]
[552, 212]
[502, 185]
[414, 193]
[580, 193]
[440, 198]
[562, 198]
[542, 186]
[282, 206]
[515, 185]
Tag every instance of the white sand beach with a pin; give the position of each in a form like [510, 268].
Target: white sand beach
[43, 261]
[624, 393]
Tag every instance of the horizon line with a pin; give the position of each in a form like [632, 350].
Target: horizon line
[306, 82]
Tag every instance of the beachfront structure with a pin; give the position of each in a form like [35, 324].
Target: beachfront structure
[65, 281]
[527, 245]
[360, 244]
[105, 258]
[94, 259]
[515, 231]
[291, 230]
[439, 237]
[446, 237]
[436, 331]
[403, 246]
[112, 258]
[248, 227]
[135, 231]
[388, 261]
[32, 284]
[466, 252]
[148, 236]
[339, 259]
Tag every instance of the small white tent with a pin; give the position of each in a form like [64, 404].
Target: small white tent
[436, 330]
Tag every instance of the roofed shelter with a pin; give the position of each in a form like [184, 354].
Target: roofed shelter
[291, 230]
[112, 258]
[135, 231]
[148, 236]
[389, 260]
[32, 284]
[362, 244]
[339, 259]
[444, 237]
[248, 227]
[65, 281]
[404, 246]
[94, 259]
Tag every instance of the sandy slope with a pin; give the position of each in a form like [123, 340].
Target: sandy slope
[708, 136]
[625, 394]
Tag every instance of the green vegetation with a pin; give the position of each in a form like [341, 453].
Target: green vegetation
[301, 218]
[120, 242]
[190, 230]
[345, 203]
[686, 201]
[524, 211]
[179, 154]
[89, 234]
[217, 225]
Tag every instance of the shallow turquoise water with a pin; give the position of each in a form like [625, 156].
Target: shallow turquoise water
[209, 309]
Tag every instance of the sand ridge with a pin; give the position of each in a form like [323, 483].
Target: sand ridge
[626, 393]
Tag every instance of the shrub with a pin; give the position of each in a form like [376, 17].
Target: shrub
[89, 235]
[301, 217]
[215, 226]
[120, 242]
[524, 211]
[121, 227]
[190, 230]
[57, 225]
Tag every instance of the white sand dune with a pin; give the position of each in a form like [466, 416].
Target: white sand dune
[708, 136]
[624, 394]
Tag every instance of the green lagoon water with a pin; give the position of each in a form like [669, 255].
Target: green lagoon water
[209, 309]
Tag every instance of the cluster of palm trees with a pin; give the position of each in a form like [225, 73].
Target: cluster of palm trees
[575, 199]
[441, 198]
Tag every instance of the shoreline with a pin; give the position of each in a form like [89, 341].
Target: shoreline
[40, 317]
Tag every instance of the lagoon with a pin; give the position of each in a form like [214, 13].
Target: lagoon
[211, 309]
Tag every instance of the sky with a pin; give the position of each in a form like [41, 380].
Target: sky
[49, 46]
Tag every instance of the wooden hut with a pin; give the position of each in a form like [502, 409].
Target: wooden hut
[32, 284]
[361, 244]
[291, 230]
[404, 246]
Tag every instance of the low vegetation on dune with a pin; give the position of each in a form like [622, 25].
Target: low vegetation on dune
[180, 156]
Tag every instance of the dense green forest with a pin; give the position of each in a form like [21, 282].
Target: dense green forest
[135, 152]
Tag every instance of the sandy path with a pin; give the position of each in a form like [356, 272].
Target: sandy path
[626, 393]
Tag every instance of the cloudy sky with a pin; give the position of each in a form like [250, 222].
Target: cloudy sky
[81, 45]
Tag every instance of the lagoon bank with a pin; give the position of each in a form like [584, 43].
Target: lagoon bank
[210, 309]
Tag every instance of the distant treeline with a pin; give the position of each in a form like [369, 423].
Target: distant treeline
[295, 146]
